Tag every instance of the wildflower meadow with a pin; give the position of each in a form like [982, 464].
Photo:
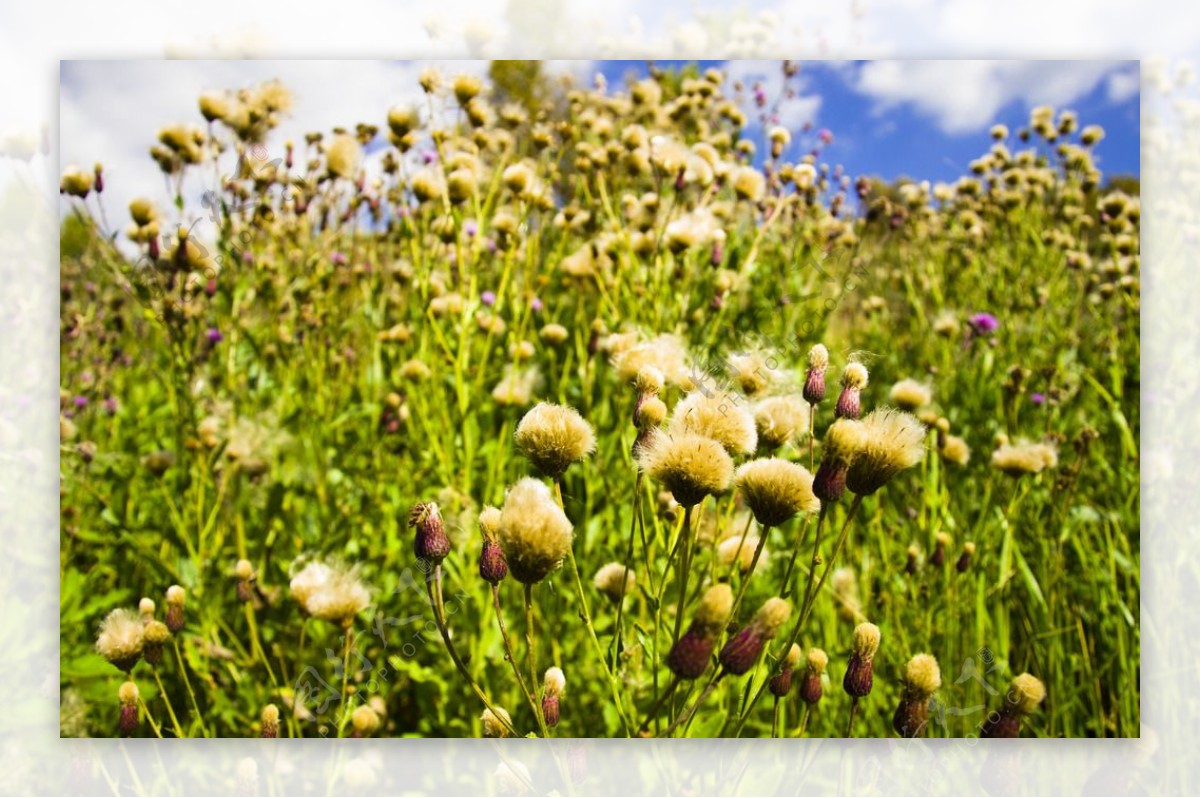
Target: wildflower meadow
[554, 409]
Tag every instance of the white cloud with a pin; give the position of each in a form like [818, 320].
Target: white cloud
[963, 96]
[1123, 85]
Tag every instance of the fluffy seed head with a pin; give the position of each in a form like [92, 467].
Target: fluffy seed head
[1026, 693]
[489, 521]
[780, 420]
[844, 439]
[771, 616]
[749, 183]
[121, 638]
[740, 550]
[922, 676]
[650, 413]
[895, 440]
[554, 682]
[775, 490]
[243, 569]
[553, 437]
[909, 394]
[176, 596]
[496, 724]
[866, 641]
[666, 352]
[649, 380]
[365, 720]
[310, 579]
[128, 693]
[956, 450]
[340, 597]
[1025, 458]
[720, 416]
[342, 155]
[715, 606]
[792, 659]
[817, 661]
[818, 357]
[614, 580]
[534, 533]
[270, 722]
[156, 633]
[690, 466]
[854, 375]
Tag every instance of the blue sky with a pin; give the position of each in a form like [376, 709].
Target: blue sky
[921, 137]
[923, 119]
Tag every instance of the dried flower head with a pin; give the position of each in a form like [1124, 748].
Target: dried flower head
[554, 436]
[121, 638]
[1024, 457]
[496, 724]
[922, 677]
[780, 420]
[342, 155]
[720, 416]
[894, 441]
[534, 533]
[866, 641]
[955, 450]
[844, 439]
[690, 466]
[775, 490]
[365, 720]
[649, 380]
[614, 580]
[308, 581]
[1026, 692]
[909, 394]
[338, 597]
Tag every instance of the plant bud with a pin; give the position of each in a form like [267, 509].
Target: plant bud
[128, 720]
[492, 566]
[176, 597]
[964, 559]
[270, 721]
[814, 382]
[431, 543]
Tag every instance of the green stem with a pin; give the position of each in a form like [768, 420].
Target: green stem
[188, 684]
[682, 572]
[531, 652]
[509, 654]
[166, 700]
[349, 635]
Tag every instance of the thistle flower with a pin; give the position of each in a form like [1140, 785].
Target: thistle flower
[776, 490]
[741, 651]
[781, 683]
[814, 381]
[492, 566]
[534, 533]
[154, 636]
[964, 559]
[811, 689]
[244, 573]
[176, 598]
[128, 697]
[1023, 697]
[649, 381]
[496, 724]
[431, 543]
[76, 182]
[843, 441]
[146, 609]
[955, 450]
[365, 721]
[719, 416]
[342, 155]
[894, 441]
[516, 388]
[690, 466]
[121, 639]
[922, 678]
[331, 593]
[854, 379]
[666, 353]
[938, 558]
[553, 437]
[553, 685]
[780, 420]
[554, 334]
[270, 722]
[689, 657]
[1024, 458]
[308, 581]
[466, 88]
[650, 412]
[859, 672]
[614, 580]
[909, 394]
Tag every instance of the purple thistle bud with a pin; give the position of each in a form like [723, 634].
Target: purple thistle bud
[1001, 724]
[964, 562]
[99, 182]
[152, 249]
[742, 650]
[110, 406]
[1037, 398]
[912, 716]
[128, 722]
[470, 228]
[781, 683]
[429, 156]
[80, 401]
[214, 335]
[830, 482]
[849, 404]
[210, 287]
[174, 618]
[939, 555]
[431, 543]
[488, 298]
[535, 305]
[679, 182]
[718, 254]
[814, 386]
[859, 676]
[550, 710]
[337, 258]
[826, 136]
[810, 688]
[690, 655]
[492, 565]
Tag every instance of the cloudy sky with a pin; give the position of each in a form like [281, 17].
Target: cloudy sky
[922, 119]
